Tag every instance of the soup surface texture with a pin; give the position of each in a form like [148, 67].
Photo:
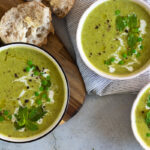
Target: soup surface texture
[115, 37]
[32, 92]
[142, 115]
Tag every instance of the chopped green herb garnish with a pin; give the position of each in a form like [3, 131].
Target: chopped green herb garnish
[1, 118]
[31, 126]
[138, 54]
[121, 23]
[135, 30]
[27, 117]
[38, 101]
[44, 82]
[148, 101]
[140, 39]
[10, 117]
[46, 88]
[41, 88]
[107, 62]
[37, 94]
[117, 12]
[33, 67]
[6, 112]
[133, 51]
[141, 47]
[48, 77]
[148, 134]
[132, 21]
[49, 83]
[129, 53]
[112, 59]
[132, 40]
[27, 69]
[36, 113]
[5, 115]
[36, 73]
[44, 96]
[121, 62]
[124, 55]
[148, 119]
[29, 63]
[48, 99]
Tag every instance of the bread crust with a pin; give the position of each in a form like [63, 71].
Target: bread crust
[61, 7]
[25, 23]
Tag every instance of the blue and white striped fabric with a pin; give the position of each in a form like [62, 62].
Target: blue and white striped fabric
[66, 30]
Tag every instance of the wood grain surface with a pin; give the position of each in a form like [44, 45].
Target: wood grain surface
[57, 49]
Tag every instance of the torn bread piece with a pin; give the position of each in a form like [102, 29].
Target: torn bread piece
[61, 7]
[29, 22]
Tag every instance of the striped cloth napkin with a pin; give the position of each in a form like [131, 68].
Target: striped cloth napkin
[66, 30]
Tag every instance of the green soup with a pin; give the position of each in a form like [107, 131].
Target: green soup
[32, 92]
[142, 115]
[115, 37]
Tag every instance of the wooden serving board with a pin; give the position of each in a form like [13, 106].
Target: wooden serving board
[57, 49]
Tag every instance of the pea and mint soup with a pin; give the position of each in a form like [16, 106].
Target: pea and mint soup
[32, 92]
[142, 115]
[115, 37]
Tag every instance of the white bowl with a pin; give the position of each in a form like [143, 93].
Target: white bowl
[64, 106]
[84, 57]
[133, 118]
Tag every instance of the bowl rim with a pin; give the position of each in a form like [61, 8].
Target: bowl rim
[25, 140]
[82, 20]
[133, 118]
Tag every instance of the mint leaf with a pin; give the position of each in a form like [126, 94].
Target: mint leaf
[148, 119]
[132, 21]
[36, 113]
[132, 40]
[27, 117]
[17, 126]
[21, 117]
[31, 126]
[121, 23]
[135, 30]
